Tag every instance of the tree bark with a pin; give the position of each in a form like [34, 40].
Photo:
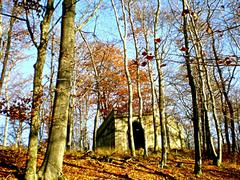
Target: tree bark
[54, 161]
[37, 94]
[196, 122]
[225, 94]
[203, 131]
[19, 134]
[94, 146]
[7, 118]
[153, 97]
[161, 102]
[123, 36]
[70, 127]
[140, 100]
[217, 158]
[205, 79]
[8, 46]
[97, 78]
[1, 32]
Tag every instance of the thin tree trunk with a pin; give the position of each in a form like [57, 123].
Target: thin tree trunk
[54, 161]
[37, 94]
[96, 76]
[196, 122]
[203, 131]
[217, 158]
[204, 79]
[161, 103]
[154, 114]
[7, 118]
[225, 94]
[168, 136]
[80, 128]
[94, 146]
[19, 134]
[70, 127]
[225, 118]
[226, 128]
[140, 100]
[41, 129]
[51, 97]
[85, 128]
[2, 44]
[153, 97]
[209, 145]
[123, 36]
[8, 46]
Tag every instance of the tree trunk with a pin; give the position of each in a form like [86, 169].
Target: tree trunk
[203, 131]
[217, 158]
[69, 127]
[96, 76]
[153, 97]
[140, 100]
[54, 161]
[196, 122]
[225, 118]
[80, 128]
[1, 28]
[225, 94]
[168, 136]
[209, 144]
[7, 118]
[85, 127]
[161, 102]
[123, 36]
[19, 134]
[94, 146]
[8, 46]
[37, 94]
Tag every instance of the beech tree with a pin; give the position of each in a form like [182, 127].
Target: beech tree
[5, 48]
[161, 102]
[140, 99]
[205, 82]
[195, 118]
[37, 85]
[52, 165]
[123, 35]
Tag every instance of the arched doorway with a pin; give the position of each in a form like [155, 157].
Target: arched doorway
[138, 135]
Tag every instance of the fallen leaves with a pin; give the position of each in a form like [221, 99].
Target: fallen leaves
[89, 165]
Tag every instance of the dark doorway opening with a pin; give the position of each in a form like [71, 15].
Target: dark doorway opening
[138, 135]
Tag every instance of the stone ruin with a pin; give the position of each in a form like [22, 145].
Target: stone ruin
[113, 133]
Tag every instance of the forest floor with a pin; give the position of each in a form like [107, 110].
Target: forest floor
[88, 165]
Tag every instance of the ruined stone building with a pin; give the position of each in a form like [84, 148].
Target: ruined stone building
[113, 133]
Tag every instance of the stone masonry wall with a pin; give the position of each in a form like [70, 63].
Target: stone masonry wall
[113, 133]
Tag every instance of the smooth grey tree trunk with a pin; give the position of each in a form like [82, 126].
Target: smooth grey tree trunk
[140, 100]
[226, 96]
[31, 168]
[123, 36]
[56, 146]
[7, 118]
[153, 96]
[161, 102]
[6, 49]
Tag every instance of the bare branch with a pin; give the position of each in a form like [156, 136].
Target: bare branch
[89, 17]
[16, 17]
